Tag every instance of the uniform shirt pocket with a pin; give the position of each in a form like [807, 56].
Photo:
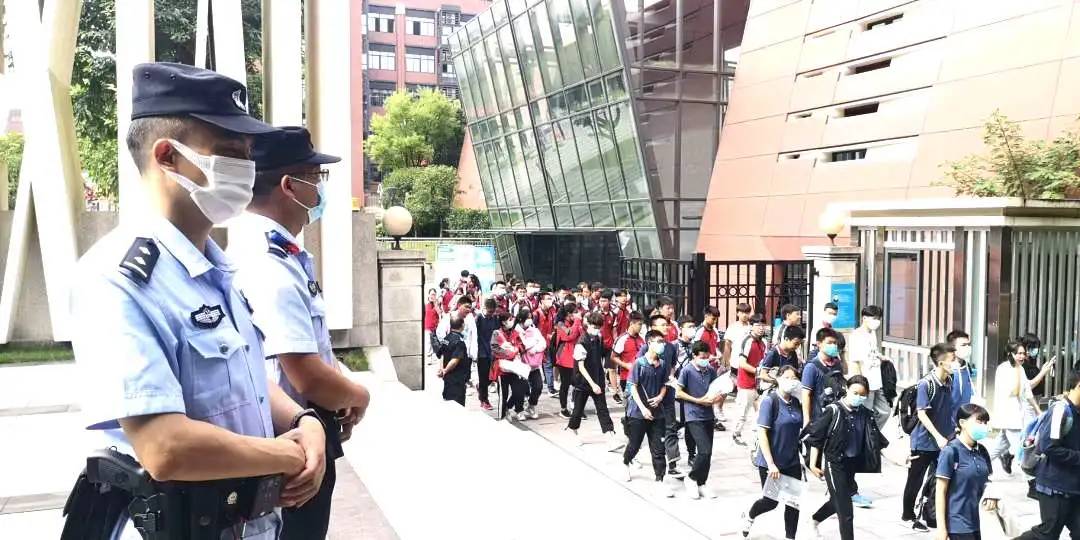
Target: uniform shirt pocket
[216, 367]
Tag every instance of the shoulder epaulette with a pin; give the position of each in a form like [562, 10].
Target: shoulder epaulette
[140, 259]
[274, 247]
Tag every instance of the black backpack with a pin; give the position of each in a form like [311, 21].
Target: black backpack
[906, 406]
[835, 386]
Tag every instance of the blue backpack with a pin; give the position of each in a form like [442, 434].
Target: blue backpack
[1035, 437]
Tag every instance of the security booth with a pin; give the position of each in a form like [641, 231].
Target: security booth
[994, 267]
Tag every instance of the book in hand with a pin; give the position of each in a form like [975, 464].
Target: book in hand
[722, 385]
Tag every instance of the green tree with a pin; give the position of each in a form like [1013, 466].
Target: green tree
[1018, 167]
[428, 193]
[11, 150]
[93, 80]
[416, 129]
[468, 219]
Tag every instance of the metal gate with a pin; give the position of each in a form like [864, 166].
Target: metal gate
[765, 285]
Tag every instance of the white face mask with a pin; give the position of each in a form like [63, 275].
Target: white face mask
[788, 386]
[593, 331]
[527, 323]
[873, 324]
[229, 181]
[963, 352]
[829, 318]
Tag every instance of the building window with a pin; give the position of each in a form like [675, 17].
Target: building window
[380, 22]
[420, 63]
[417, 88]
[884, 22]
[872, 67]
[867, 108]
[378, 96]
[380, 60]
[450, 18]
[448, 71]
[902, 297]
[848, 155]
[419, 26]
[450, 91]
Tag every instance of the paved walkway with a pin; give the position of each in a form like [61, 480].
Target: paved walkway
[737, 484]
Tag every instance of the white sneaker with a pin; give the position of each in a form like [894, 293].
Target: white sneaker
[691, 488]
[721, 417]
[629, 472]
[578, 442]
[615, 443]
[521, 416]
[531, 411]
[706, 492]
[663, 490]
[747, 523]
[637, 464]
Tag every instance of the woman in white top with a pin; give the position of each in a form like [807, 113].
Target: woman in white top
[1014, 404]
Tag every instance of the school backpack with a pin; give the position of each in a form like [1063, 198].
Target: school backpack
[1034, 439]
[835, 386]
[907, 408]
[774, 410]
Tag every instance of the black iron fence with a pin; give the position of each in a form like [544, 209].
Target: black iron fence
[765, 285]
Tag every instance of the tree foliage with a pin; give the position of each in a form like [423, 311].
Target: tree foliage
[11, 150]
[1018, 167]
[416, 129]
[428, 193]
[468, 219]
[93, 79]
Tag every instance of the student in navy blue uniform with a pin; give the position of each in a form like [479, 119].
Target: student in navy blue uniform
[1057, 479]
[694, 381]
[782, 355]
[847, 439]
[963, 388]
[816, 374]
[669, 357]
[781, 420]
[486, 324]
[934, 403]
[647, 389]
[963, 470]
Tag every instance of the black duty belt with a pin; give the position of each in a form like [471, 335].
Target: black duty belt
[114, 482]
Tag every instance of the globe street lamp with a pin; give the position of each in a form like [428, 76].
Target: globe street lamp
[831, 222]
[397, 221]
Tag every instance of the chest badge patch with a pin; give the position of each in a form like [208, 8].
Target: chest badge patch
[207, 316]
[314, 288]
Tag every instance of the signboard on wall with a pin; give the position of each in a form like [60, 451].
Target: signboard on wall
[843, 295]
[451, 259]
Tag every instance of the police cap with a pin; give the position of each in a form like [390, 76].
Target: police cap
[168, 89]
[290, 146]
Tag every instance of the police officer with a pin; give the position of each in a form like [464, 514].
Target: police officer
[278, 277]
[172, 367]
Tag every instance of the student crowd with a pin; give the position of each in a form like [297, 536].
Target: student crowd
[821, 412]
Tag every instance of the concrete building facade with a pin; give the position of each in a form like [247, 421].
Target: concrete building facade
[854, 100]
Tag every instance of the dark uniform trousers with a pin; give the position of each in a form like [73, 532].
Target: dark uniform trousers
[312, 520]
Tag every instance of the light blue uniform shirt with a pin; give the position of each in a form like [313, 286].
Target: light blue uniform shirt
[159, 328]
[287, 301]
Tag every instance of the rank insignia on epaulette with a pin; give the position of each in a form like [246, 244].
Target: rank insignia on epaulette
[207, 316]
[140, 259]
[314, 288]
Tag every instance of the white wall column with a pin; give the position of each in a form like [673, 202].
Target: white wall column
[330, 101]
[134, 45]
[229, 40]
[283, 87]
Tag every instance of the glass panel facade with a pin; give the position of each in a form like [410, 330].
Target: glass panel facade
[593, 115]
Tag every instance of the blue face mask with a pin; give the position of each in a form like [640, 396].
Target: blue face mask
[701, 363]
[831, 350]
[978, 431]
[314, 212]
[857, 400]
[1034, 353]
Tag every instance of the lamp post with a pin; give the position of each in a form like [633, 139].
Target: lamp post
[397, 221]
[831, 222]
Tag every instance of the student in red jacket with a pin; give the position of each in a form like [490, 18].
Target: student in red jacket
[606, 310]
[544, 316]
[431, 322]
[625, 350]
[506, 345]
[567, 333]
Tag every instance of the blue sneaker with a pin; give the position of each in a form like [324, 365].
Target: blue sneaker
[861, 501]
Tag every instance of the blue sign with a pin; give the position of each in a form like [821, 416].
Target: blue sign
[843, 295]
[451, 259]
